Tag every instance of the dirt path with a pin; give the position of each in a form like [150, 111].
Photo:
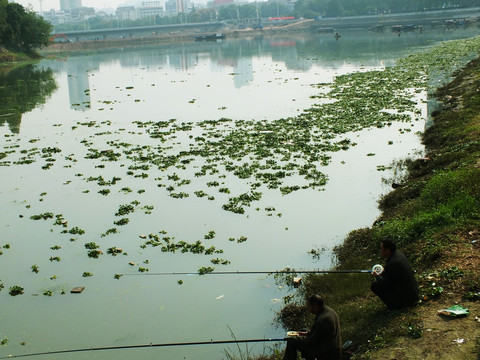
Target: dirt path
[442, 337]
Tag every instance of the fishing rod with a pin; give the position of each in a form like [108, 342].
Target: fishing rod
[124, 347]
[376, 269]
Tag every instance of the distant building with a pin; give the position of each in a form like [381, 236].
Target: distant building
[183, 6]
[102, 14]
[151, 3]
[70, 4]
[171, 7]
[149, 9]
[126, 13]
[220, 3]
[56, 17]
[82, 12]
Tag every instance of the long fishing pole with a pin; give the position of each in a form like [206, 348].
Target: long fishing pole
[377, 269]
[124, 347]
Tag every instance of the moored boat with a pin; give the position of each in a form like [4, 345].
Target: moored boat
[209, 37]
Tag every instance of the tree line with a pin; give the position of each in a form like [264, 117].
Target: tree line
[22, 29]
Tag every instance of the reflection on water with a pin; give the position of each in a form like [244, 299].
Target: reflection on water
[299, 52]
[21, 90]
[78, 84]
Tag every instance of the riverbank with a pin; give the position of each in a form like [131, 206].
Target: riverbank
[10, 59]
[185, 36]
[433, 214]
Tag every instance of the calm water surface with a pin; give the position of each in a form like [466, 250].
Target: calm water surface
[54, 114]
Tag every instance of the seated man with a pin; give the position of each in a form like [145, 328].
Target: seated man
[396, 286]
[323, 341]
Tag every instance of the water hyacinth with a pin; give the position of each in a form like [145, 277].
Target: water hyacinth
[235, 163]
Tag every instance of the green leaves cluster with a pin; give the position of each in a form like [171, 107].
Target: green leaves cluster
[168, 245]
[22, 29]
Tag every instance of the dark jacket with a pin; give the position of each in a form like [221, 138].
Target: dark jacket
[324, 339]
[396, 286]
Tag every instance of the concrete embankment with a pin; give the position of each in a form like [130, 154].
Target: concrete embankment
[426, 19]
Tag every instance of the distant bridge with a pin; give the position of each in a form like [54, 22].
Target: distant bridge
[140, 31]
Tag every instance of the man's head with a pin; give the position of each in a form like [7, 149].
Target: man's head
[315, 304]
[387, 248]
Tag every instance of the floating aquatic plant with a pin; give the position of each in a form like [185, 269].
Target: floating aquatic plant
[148, 209]
[241, 239]
[16, 290]
[114, 251]
[218, 261]
[44, 216]
[93, 250]
[59, 220]
[283, 155]
[91, 246]
[94, 254]
[180, 195]
[200, 193]
[210, 235]
[125, 210]
[122, 221]
[205, 270]
[74, 231]
[110, 231]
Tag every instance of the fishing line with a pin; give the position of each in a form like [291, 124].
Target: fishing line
[211, 342]
[377, 269]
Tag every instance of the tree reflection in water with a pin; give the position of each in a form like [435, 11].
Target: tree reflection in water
[21, 90]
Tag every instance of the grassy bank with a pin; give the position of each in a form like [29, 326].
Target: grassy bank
[10, 59]
[434, 216]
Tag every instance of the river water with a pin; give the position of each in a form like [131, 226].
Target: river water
[90, 146]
